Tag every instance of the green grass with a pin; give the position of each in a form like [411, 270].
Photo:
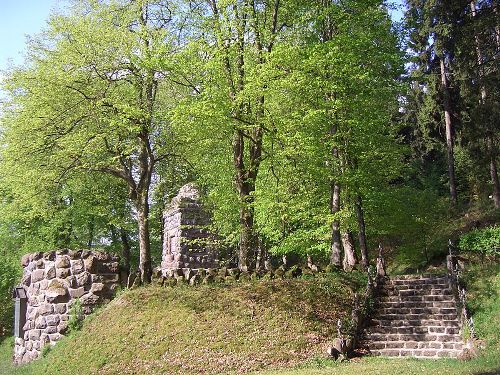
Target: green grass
[278, 327]
[235, 328]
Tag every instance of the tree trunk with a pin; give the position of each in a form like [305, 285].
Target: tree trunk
[349, 251]
[144, 244]
[449, 133]
[336, 250]
[494, 175]
[91, 234]
[246, 258]
[125, 250]
[358, 205]
[491, 147]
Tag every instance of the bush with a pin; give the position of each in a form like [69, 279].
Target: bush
[484, 241]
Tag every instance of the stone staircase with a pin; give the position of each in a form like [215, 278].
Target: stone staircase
[416, 316]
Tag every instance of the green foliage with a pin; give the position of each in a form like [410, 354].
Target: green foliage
[485, 241]
[76, 316]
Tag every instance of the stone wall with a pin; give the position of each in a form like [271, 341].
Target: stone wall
[53, 281]
[187, 242]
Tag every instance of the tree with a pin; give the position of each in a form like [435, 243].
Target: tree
[331, 101]
[90, 100]
[230, 105]
[453, 79]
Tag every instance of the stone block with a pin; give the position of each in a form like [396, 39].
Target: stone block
[40, 263]
[63, 273]
[44, 284]
[37, 275]
[25, 260]
[52, 329]
[34, 334]
[40, 322]
[52, 320]
[57, 292]
[26, 280]
[50, 273]
[89, 299]
[75, 254]
[62, 327]
[55, 337]
[60, 308]
[76, 293]
[45, 309]
[83, 279]
[63, 262]
[77, 266]
[28, 325]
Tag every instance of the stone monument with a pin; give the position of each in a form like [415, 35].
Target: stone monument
[187, 241]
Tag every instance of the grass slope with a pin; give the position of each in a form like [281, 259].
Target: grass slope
[232, 328]
[275, 327]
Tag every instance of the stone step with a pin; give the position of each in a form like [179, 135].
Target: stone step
[421, 288]
[415, 323]
[417, 353]
[416, 292]
[413, 345]
[399, 304]
[417, 310]
[425, 281]
[418, 317]
[427, 298]
[425, 276]
[414, 330]
[374, 337]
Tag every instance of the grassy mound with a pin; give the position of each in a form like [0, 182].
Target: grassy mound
[233, 328]
[272, 327]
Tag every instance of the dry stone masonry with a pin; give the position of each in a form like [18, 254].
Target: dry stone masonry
[416, 317]
[51, 284]
[187, 241]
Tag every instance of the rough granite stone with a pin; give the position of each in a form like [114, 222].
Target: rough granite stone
[53, 281]
[187, 241]
[37, 275]
[63, 262]
[50, 273]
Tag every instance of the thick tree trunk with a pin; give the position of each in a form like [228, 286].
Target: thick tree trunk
[125, 250]
[336, 250]
[349, 261]
[449, 132]
[494, 177]
[358, 205]
[144, 244]
[246, 254]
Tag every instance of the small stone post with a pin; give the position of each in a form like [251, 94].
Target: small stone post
[380, 263]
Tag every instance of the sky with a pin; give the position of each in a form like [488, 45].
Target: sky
[19, 18]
